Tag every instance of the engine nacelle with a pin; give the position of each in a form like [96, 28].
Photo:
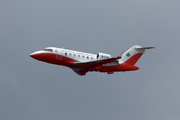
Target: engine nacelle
[101, 56]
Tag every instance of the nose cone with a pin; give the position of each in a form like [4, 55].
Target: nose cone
[37, 56]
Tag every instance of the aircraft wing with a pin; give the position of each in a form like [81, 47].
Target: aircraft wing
[92, 64]
[81, 68]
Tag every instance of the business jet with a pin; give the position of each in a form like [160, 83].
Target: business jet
[81, 62]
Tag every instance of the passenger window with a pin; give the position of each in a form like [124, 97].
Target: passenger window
[83, 56]
[91, 58]
[87, 57]
[78, 55]
[74, 55]
[65, 54]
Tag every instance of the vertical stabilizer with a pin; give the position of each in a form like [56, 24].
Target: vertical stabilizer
[132, 55]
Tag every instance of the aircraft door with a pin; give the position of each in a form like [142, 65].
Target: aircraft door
[59, 55]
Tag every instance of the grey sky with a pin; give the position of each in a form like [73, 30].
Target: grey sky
[32, 90]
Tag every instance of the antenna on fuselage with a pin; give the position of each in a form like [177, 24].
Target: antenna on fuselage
[120, 55]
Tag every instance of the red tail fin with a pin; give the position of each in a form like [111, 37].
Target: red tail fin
[132, 55]
[134, 59]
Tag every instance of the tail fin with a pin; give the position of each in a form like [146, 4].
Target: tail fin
[132, 55]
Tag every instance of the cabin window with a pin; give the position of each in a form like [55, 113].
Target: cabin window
[87, 57]
[83, 56]
[74, 55]
[65, 54]
[78, 55]
[91, 58]
[49, 50]
[70, 54]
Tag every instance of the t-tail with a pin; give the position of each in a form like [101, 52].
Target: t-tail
[132, 55]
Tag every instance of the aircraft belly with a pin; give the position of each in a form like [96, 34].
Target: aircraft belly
[120, 67]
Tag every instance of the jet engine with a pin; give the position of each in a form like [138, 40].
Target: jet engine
[101, 56]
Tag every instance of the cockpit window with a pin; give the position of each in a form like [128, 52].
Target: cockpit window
[50, 50]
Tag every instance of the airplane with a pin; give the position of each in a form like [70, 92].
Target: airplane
[81, 62]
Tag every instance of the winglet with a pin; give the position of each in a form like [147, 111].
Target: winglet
[118, 57]
[80, 72]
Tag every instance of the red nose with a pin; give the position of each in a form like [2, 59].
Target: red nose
[37, 56]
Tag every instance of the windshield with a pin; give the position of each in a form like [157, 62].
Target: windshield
[50, 50]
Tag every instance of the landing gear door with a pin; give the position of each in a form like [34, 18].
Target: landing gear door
[59, 55]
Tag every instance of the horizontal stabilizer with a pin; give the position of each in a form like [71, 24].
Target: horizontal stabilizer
[143, 48]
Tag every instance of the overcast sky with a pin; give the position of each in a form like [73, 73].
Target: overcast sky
[33, 90]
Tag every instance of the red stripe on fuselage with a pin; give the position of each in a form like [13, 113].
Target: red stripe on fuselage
[65, 61]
